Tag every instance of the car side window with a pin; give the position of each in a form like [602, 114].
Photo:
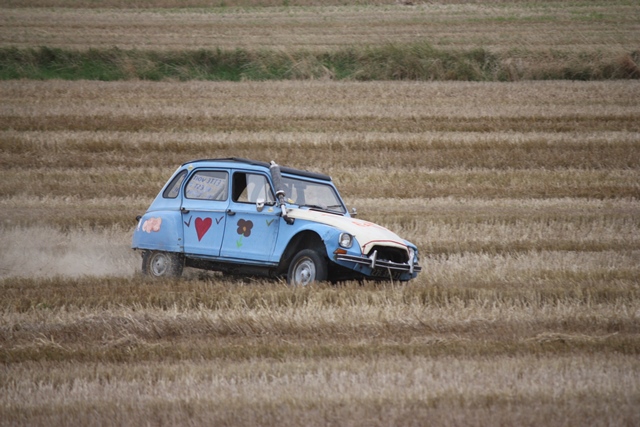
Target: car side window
[172, 190]
[250, 187]
[208, 185]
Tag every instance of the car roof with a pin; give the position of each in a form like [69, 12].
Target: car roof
[283, 169]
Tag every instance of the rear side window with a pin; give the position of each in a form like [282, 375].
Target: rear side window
[172, 190]
[208, 185]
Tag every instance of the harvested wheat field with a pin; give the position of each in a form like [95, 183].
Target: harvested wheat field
[523, 198]
[540, 26]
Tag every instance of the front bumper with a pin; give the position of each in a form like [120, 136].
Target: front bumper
[372, 266]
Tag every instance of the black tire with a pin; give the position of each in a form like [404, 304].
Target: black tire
[307, 267]
[158, 264]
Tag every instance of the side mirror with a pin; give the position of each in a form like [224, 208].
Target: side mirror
[259, 204]
[354, 212]
[276, 177]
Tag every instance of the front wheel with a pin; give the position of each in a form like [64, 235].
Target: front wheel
[307, 267]
[162, 264]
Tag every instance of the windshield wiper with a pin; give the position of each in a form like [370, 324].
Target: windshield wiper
[323, 208]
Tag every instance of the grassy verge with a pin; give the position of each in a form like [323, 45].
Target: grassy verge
[418, 61]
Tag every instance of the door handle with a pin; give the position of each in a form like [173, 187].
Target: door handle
[230, 212]
[184, 211]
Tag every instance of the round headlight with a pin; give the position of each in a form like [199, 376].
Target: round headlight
[346, 240]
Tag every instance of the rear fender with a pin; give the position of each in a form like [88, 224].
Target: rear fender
[159, 230]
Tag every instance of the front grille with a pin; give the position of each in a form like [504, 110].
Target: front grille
[387, 253]
[390, 263]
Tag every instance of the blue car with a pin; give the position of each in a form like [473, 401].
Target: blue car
[247, 217]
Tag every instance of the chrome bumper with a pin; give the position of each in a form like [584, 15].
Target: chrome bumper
[374, 263]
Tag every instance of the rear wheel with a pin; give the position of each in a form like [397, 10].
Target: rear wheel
[162, 264]
[307, 267]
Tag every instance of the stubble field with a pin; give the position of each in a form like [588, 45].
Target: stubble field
[523, 199]
[608, 27]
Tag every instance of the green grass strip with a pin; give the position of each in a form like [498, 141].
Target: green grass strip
[418, 61]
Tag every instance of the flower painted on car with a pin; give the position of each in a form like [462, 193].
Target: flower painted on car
[244, 227]
[152, 225]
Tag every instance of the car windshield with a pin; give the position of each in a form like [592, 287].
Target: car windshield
[312, 194]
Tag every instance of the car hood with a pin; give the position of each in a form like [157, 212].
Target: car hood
[367, 233]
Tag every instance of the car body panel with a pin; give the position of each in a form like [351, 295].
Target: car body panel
[367, 233]
[250, 234]
[204, 226]
[159, 230]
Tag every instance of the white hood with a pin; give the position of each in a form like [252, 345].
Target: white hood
[367, 233]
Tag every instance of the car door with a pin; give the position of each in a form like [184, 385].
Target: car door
[204, 203]
[251, 231]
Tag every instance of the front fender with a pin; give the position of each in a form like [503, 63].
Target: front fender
[159, 230]
[327, 234]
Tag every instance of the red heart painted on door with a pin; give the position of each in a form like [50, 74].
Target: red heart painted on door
[202, 226]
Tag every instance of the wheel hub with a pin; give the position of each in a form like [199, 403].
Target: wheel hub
[305, 272]
[159, 265]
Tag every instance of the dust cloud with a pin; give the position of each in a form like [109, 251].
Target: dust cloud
[42, 251]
